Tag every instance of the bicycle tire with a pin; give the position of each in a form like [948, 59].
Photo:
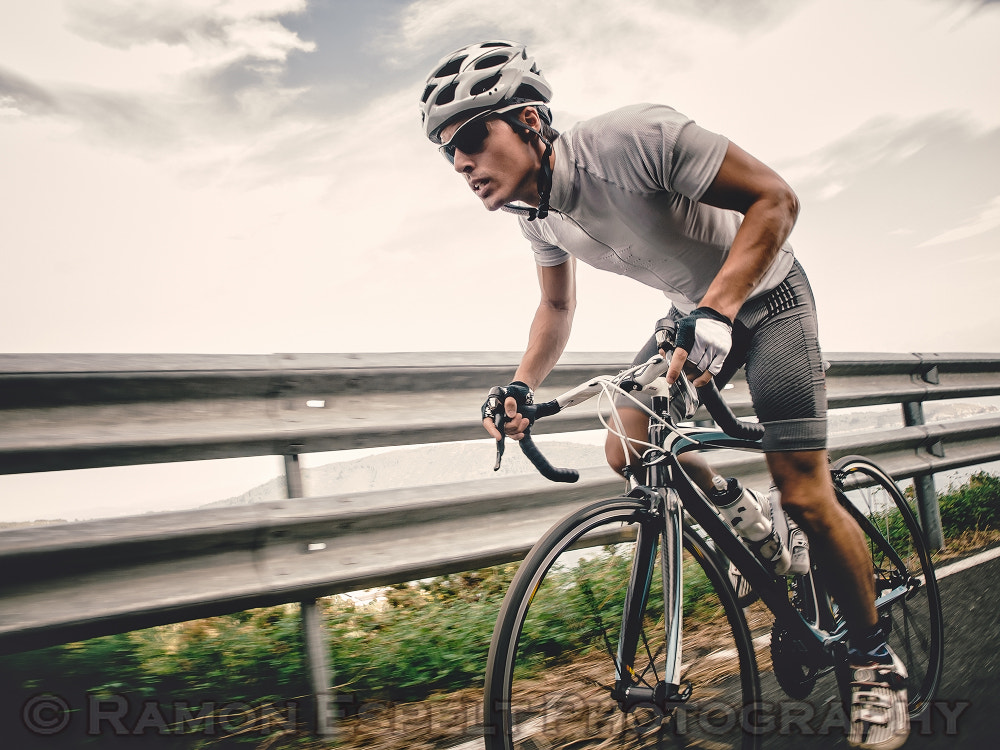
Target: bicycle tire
[914, 624]
[551, 663]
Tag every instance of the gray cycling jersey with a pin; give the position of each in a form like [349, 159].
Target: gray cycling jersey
[625, 191]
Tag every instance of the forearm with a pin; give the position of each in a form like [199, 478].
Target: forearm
[547, 339]
[766, 225]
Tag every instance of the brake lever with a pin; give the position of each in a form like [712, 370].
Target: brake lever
[499, 420]
[529, 411]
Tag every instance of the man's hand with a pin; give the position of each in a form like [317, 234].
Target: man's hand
[703, 340]
[507, 400]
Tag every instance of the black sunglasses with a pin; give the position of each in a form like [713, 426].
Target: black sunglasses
[471, 137]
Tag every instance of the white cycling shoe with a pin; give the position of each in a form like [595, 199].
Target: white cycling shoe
[880, 718]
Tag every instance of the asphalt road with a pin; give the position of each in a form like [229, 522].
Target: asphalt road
[966, 711]
[970, 688]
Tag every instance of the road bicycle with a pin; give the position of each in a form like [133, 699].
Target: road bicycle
[593, 649]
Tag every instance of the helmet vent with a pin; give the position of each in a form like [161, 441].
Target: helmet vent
[491, 62]
[495, 44]
[427, 92]
[446, 95]
[451, 68]
[527, 91]
[485, 85]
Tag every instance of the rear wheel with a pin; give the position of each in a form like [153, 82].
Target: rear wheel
[907, 597]
[551, 675]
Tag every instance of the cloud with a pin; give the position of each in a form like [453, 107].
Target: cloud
[232, 47]
[197, 72]
[987, 219]
[908, 178]
[21, 96]
[626, 43]
[873, 249]
[216, 30]
[881, 141]
[428, 24]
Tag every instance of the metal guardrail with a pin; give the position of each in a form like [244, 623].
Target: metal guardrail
[69, 412]
[72, 581]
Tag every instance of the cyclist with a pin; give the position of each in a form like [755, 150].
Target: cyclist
[646, 192]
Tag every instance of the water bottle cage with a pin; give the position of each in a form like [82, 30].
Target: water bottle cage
[758, 549]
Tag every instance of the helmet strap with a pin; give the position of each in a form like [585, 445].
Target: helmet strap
[544, 173]
[544, 181]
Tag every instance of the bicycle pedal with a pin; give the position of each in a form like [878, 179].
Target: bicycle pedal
[681, 693]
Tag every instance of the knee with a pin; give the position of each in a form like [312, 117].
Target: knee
[615, 455]
[803, 479]
[635, 425]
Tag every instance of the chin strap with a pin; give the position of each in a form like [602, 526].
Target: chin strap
[544, 183]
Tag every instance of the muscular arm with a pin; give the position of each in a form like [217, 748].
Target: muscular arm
[769, 209]
[547, 337]
[552, 323]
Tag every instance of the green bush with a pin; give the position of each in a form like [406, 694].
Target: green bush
[975, 506]
[412, 644]
[245, 659]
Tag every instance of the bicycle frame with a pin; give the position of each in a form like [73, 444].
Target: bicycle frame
[670, 493]
[673, 493]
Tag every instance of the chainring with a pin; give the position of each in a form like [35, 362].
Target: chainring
[789, 660]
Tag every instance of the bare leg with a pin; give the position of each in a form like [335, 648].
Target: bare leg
[835, 540]
[636, 427]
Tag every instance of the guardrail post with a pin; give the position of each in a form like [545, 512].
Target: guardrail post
[313, 632]
[923, 484]
[318, 660]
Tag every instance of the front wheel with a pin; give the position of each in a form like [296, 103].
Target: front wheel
[554, 665]
[906, 590]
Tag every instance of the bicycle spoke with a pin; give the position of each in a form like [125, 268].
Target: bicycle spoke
[557, 645]
[651, 659]
[588, 595]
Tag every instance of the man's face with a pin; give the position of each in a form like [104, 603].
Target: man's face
[501, 168]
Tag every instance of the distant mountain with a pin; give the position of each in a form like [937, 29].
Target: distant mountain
[889, 417]
[26, 524]
[456, 462]
[420, 466]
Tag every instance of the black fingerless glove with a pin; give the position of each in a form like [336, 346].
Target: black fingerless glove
[517, 390]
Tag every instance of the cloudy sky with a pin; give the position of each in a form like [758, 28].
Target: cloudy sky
[250, 175]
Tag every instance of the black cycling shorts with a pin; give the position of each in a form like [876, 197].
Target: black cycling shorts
[775, 336]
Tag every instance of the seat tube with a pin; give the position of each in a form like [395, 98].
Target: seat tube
[673, 582]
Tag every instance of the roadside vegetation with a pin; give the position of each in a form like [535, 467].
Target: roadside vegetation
[243, 675]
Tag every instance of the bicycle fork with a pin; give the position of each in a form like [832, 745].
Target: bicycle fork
[632, 689]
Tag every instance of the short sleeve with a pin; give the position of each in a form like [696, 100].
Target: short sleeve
[546, 254]
[648, 148]
[698, 155]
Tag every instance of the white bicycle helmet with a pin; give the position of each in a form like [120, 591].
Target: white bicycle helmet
[481, 77]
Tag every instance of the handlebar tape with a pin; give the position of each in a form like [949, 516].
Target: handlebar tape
[724, 417]
[531, 452]
[541, 463]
